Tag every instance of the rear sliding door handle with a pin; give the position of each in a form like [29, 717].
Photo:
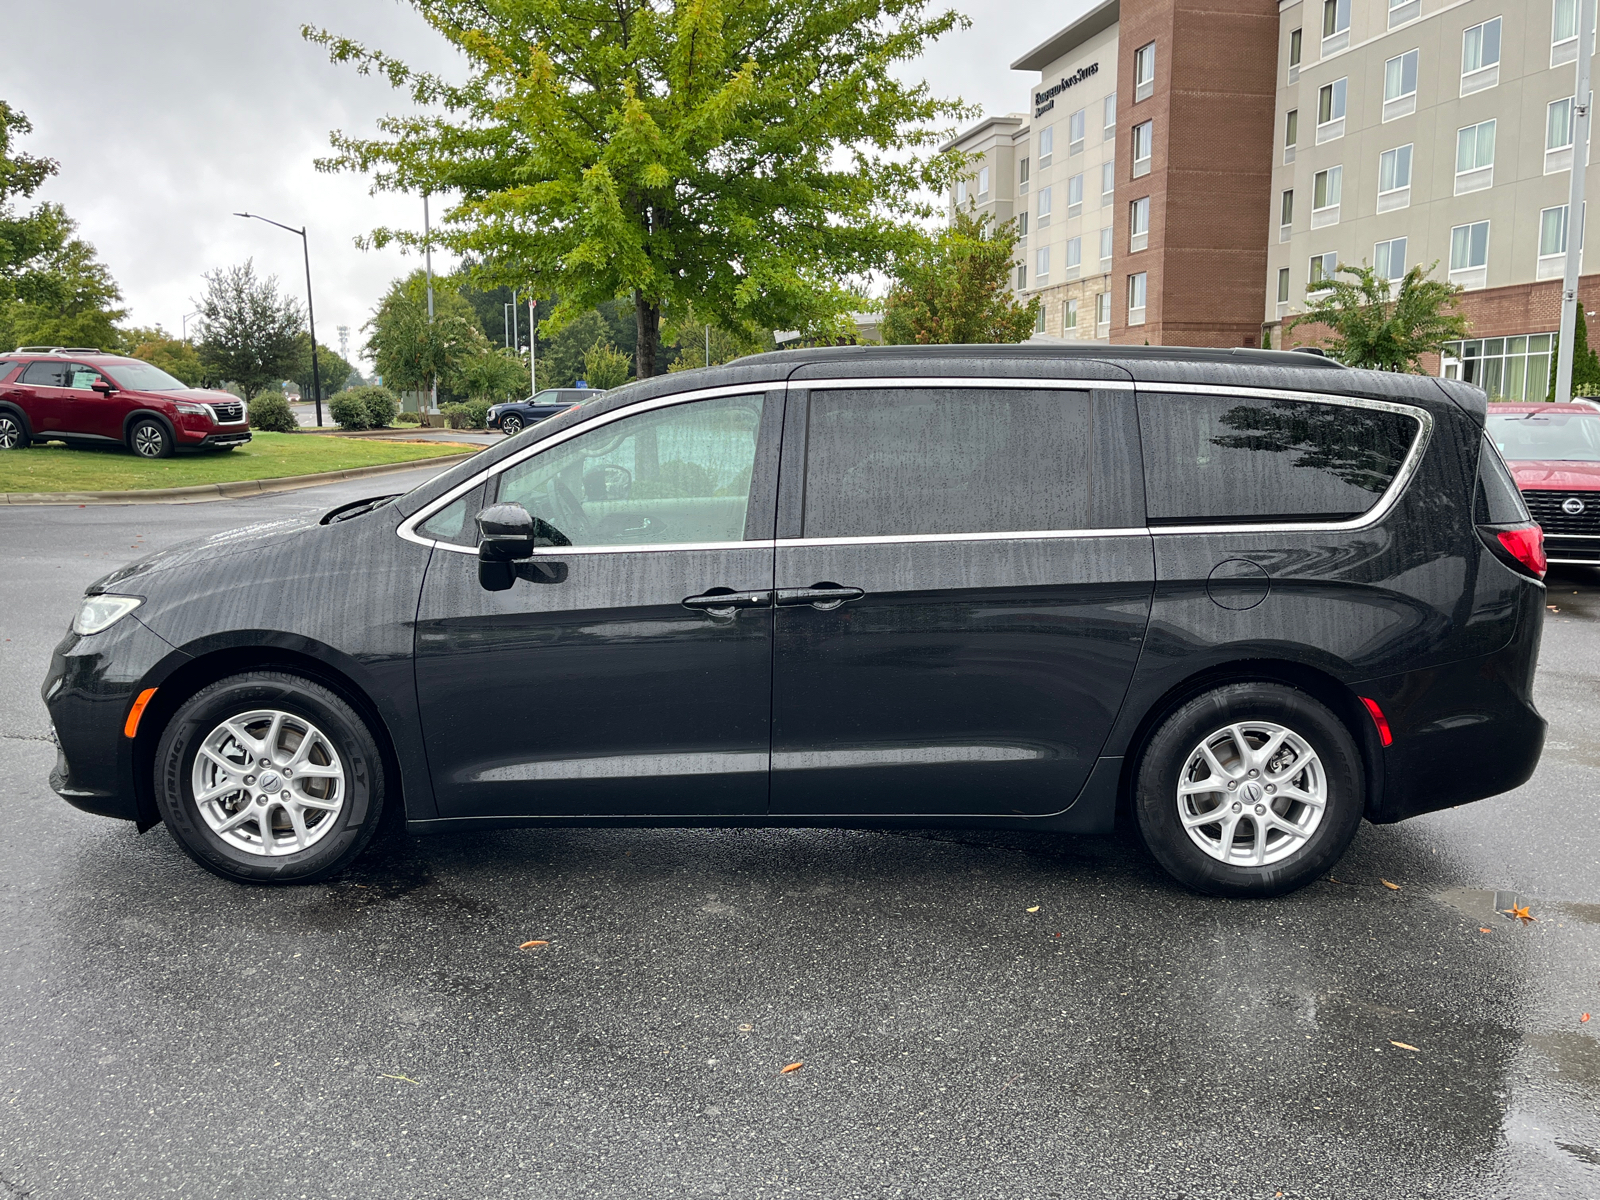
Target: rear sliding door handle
[725, 604]
[825, 596]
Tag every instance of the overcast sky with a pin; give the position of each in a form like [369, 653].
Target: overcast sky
[170, 115]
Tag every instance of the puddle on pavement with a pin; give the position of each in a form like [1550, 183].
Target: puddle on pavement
[1483, 903]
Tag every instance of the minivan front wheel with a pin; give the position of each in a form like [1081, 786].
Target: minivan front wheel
[1251, 789]
[268, 777]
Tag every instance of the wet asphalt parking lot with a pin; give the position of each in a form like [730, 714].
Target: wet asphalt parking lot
[979, 1015]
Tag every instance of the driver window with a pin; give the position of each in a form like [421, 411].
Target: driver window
[679, 474]
[81, 377]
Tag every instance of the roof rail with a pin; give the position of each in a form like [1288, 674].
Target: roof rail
[58, 350]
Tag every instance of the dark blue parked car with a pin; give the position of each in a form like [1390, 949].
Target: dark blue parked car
[516, 415]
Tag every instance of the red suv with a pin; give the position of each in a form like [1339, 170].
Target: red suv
[81, 396]
[1553, 450]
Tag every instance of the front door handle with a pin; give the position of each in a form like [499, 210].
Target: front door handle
[725, 604]
[824, 596]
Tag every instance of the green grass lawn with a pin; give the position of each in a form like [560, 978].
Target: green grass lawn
[55, 468]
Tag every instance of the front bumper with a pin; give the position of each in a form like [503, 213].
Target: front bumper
[1572, 550]
[236, 438]
[91, 685]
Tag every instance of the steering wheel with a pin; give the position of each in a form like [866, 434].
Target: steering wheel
[568, 511]
[608, 481]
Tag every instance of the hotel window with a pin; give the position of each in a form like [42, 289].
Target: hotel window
[1075, 128]
[1335, 26]
[1108, 181]
[1401, 11]
[1038, 320]
[1108, 115]
[1283, 285]
[1022, 224]
[1102, 309]
[1139, 224]
[1553, 242]
[1075, 195]
[1291, 134]
[1510, 368]
[1074, 254]
[1044, 207]
[1325, 189]
[1047, 142]
[1563, 32]
[1400, 86]
[1105, 247]
[1480, 57]
[1136, 298]
[1474, 157]
[1389, 259]
[961, 192]
[1469, 254]
[1558, 126]
[1069, 315]
[1394, 178]
[1323, 269]
[1144, 72]
[1330, 110]
[983, 181]
[1144, 136]
[1294, 56]
[1041, 265]
[1022, 174]
[1286, 215]
[1022, 276]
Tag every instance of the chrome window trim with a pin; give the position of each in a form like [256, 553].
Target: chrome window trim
[970, 381]
[643, 548]
[1372, 516]
[1006, 536]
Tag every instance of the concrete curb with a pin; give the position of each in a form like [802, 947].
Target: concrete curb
[226, 491]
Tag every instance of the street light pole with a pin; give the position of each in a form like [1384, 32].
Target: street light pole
[184, 324]
[1580, 164]
[427, 258]
[311, 314]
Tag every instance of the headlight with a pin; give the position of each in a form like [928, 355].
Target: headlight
[100, 613]
[199, 410]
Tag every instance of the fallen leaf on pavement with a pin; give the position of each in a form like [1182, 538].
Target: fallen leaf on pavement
[1393, 887]
[1583, 1020]
[1035, 908]
[531, 945]
[1521, 914]
[747, 1029]
[792, 1068]
[1403, 1046]
[1484, 929]
[1552, 608]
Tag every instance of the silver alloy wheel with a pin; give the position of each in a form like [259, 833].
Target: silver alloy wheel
[1252, 793]
[511, 425]
[147, 440]
[268, 782]
[10, 432]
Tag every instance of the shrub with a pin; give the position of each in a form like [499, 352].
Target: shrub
[270, 413]
[382, 405]
[408, 418]
[474, 414]
[349, 411]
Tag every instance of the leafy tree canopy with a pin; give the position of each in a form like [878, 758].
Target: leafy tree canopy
[957, 288]
[172, 355]
[247, 328]
[333, 369]
[408, 350]
[1370, 327]
[745, 156]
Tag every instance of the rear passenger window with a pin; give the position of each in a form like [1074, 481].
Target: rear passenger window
[1230, 459]
[897, 461]
[47, 374]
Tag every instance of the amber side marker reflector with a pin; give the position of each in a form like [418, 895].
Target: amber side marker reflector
[1378, 719]
[131, 727]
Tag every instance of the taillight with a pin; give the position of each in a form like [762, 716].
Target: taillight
[1526, 545]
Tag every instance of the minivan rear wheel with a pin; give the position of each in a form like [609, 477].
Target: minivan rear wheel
[1251, 789]
[269, 777]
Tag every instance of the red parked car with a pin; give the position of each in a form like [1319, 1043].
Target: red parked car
[81, 396]
[1553, 450]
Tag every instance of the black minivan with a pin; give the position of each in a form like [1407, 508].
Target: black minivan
[1237, 600]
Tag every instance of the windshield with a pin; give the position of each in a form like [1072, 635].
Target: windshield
[1560, 436]
[142, 377]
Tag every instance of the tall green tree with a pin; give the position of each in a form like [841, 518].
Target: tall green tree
[1369, 325]
[956, 287]
[748, 156]
[411, 351]
[1585, 362]
[174, 356]
[333, 370]
[247, 328]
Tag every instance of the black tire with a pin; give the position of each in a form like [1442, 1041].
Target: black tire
[13, 434]
[1167, 756]
[149, 438]
[351, 828]
[511, 424]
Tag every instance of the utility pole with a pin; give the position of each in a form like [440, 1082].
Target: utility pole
[1580, 164]
[427, 256]
[533, 346]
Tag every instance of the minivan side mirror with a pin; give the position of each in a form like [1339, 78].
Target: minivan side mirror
[507, 536]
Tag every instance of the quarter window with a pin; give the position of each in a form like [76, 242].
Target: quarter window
[1232, 459]
[679, 474]
[893, 462]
